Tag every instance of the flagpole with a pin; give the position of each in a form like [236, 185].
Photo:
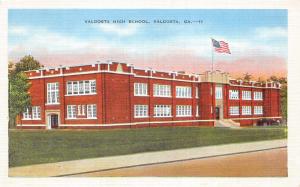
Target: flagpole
[212, 56]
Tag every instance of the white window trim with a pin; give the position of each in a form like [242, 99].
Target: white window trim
[158, 86]
[31, 115]
[184, 92]
[244, 95]
[79, 110]
[185, 111]
[83, 110]
[26, 116]
[87, 111]
[245, 112]
[234, 98]
[82, 94]
[38, 111]
[68, 117]
[234, 114]
[261, 111]
[257, 98]
[147, 110]
[197, 93]
[49, 90]
[219, 89]
[163, 106]
[84, 88]
[52, 104]
[137, 94]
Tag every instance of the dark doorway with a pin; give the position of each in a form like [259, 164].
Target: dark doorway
[217, 113]
[54, 120]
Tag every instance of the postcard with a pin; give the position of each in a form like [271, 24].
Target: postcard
[161, 93]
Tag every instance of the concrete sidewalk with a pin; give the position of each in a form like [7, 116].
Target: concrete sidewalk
[113, 162]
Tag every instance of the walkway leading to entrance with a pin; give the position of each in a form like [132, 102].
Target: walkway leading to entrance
[114, 162]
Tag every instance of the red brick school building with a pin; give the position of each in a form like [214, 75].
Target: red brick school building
[111, 94]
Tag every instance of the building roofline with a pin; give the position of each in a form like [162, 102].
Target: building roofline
[197, 75]
[110, 62]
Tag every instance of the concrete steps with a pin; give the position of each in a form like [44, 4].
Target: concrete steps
[227, 123]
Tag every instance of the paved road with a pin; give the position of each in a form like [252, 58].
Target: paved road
[260, 163]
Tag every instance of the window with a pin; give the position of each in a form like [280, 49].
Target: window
[183, 92]
[52, 93]
[81, 87]
[140, 89]
[219, 93]
[162, 111]
[246, 110]
[234, 110]
[91, 111]
[79, 110]
[26, 114]
[183, 110]
[233, 94]
[93, 86]
[71, 111]
[258, 110]
[197, 111]
[197, 92]
[36, 112]
[75, 88]
[246, 95]
[162, 90]
[140, 111]
[86, 87]
[83, 110]
[258, 96]
[69, 88]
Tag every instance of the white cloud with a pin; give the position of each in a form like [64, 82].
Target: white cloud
[41, 40]
[17, 30]
[271, 32]
[119, 29]
[45, 41]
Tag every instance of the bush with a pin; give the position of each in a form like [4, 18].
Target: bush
[266, 122]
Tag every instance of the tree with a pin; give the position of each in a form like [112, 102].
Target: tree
[260, 79]
[11, 67]
[19, 98]
[27, 63]
[247, 77]
[283, 94]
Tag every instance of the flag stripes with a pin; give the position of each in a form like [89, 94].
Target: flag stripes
[220, 46]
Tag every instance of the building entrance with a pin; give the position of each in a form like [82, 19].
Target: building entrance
[217, 113]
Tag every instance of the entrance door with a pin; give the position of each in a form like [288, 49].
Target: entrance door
[217, 113]
[54, 120]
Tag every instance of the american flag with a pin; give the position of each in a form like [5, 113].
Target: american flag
[220, 46]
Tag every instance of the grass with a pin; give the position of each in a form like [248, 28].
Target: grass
[33, 147]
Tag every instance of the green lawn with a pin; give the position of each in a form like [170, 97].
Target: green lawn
[32, 147]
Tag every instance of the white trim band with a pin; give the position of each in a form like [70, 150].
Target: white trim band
[277, 117]
[31, 125]
[134, 123]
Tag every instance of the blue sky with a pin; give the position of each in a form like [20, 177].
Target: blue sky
[249, 32]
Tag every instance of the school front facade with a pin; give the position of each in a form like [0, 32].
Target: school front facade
[112, 94]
